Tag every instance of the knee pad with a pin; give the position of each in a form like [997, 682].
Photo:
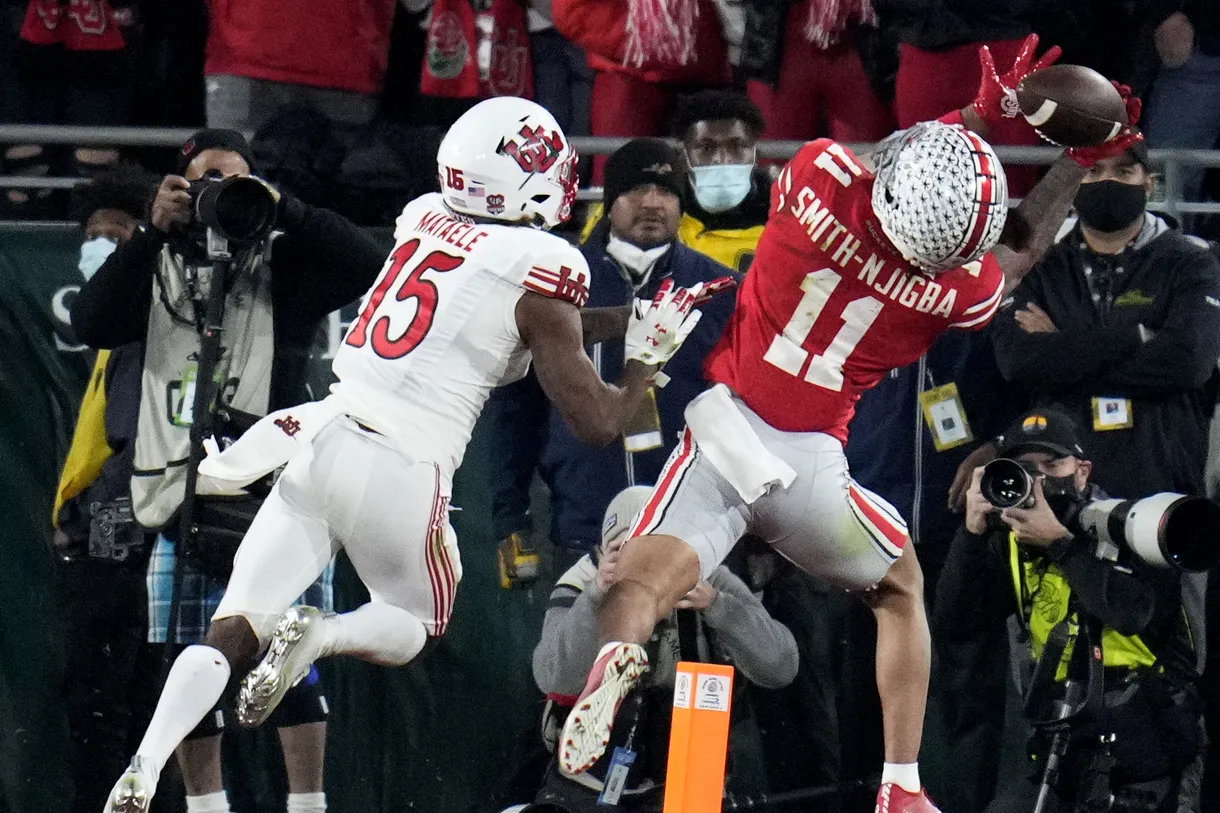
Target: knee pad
[303, 703]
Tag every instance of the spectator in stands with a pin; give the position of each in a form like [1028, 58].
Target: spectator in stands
[70, 65]
[938, 65]
[102, 552]
[149, 290]
[326, 55]
[563, 80]
[730, 195]
[806, 62]
[729, 625]
[1120, 324]
[1184, 103]
[630, 254]
[643, 54]
[1030, 561]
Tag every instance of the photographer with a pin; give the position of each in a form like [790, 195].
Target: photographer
[729, 624]
[1033, 559]
[157, 288]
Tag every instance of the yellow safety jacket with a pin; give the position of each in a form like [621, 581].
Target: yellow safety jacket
[1042, 600]
[732, 247]
[90, 448]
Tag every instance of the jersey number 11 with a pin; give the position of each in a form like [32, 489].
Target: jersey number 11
[824, 369]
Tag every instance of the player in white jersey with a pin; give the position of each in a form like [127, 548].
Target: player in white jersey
[473, 290]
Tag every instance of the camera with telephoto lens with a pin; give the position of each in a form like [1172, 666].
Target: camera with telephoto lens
[1164, 530]
[1008, 483]
[237, 208]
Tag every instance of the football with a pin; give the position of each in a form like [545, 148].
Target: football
[1071, 105]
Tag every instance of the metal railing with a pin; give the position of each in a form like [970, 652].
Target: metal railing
[1170, 198]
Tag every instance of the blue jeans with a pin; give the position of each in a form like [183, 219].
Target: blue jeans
[1184, 111]
[563, 80]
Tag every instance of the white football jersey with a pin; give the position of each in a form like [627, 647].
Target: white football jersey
[438, 330]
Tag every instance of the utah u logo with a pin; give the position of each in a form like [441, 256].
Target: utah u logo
[537, 151]
[289, 425]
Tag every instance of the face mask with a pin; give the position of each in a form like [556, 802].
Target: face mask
[635, 259]
[1061, 494]
[93, 253]
[720, 187]
[1110, 206]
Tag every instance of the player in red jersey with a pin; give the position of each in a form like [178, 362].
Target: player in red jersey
[859, 270]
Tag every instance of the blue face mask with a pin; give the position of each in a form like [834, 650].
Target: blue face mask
[93, 253]
[720, 187]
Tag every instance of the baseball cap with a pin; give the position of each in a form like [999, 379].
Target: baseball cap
[622, 510]
[1041, 430]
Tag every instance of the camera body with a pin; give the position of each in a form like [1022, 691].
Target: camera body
[1163, 530]
[238, 209]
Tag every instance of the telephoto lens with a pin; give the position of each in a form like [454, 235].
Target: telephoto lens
[1007, 484]
[240, 209]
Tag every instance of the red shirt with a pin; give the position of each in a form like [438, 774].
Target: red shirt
[829, 306]
[341, 44]
[77, 25]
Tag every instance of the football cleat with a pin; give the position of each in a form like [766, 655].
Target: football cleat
[133, 792]
[586, 733]
[892, 798]
[295, 645]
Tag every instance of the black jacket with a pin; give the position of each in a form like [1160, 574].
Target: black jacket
[976, 593]
[585, 478]
[935, 24]
[1171, 284]
[320, 263]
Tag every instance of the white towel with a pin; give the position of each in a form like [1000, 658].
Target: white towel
[264, 447]
[731, 445]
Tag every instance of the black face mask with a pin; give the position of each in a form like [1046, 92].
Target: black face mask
[1061, 494]
[1110, 206]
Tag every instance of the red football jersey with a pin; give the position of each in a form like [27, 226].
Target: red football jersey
[829, 306]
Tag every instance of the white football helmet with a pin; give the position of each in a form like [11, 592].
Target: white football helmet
[941, 195]
[507, 159]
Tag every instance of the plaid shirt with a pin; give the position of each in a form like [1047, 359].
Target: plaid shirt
[201, 596]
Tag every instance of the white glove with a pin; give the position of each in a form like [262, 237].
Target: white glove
[657, 329]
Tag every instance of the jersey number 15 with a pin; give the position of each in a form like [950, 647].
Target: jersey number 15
[416, 287]
[824, 369]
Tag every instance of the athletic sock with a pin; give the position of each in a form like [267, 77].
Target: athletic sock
[217, 802]
[307, 803]
[903, 774]
[195, 683]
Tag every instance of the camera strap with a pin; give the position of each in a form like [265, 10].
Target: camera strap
[1085, 671]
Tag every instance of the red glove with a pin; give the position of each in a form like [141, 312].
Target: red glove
[997, 96]
[1121, 142]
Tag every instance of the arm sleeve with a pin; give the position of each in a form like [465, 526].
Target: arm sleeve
[112, 307]
[1182, 355]
[761, 647]
[1052, 362]
[1122, 599]
[322, 261]
[975, 588]
[568, 647]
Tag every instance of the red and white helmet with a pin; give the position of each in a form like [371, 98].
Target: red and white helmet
[507, 158]
[940, 194]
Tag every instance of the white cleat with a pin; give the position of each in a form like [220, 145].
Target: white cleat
[586, 733]
[295, 645]
[133, 792]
